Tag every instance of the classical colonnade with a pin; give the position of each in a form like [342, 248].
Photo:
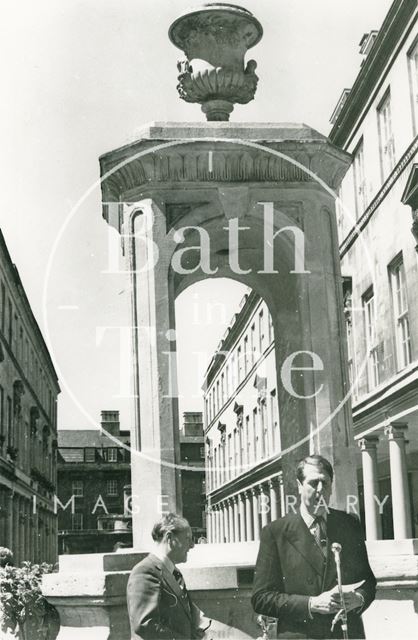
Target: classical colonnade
[401, 500]
[240, 517]
[31, 536]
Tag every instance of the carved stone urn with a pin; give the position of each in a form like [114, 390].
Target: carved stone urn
[215, 40]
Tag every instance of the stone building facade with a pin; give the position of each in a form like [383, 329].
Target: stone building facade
[242, 430]
[94, 488]
[377, 122]
[28, 425]
[192, 458]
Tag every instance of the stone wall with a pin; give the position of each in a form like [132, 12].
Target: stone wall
[92, 602]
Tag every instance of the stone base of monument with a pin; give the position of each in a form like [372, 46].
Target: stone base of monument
[90, 591]
[394, 613]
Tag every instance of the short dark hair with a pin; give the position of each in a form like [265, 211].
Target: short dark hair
[169, 523]
[317, 461]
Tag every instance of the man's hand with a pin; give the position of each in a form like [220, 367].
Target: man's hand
[352, 600]
[325, 603]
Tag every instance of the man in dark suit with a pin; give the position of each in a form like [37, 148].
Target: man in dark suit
[295, 577]
[159, 604]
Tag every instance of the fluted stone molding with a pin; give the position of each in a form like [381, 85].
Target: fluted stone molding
[368, 447]
[395, 433]
[219, 35]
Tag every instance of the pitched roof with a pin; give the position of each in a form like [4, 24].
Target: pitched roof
[80, 438]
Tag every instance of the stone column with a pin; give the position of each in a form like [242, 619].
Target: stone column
[2, 516]
[399, 480]
[218, 524]
[156, 438]
[368, 447]
[221, 524]
[231, 520]
[248, 518]
[215, 524]
[282, 495]
[16, 530]
[242, 522]
[226, 521]
[256, 521]
[264, 507]
[208, 524]
[211, 516]
[236, 519]
[273, 500]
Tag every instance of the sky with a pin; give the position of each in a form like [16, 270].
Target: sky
[80, 78]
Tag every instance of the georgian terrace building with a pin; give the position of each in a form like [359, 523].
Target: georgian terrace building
[28, 426]
[377, 122]
[94, 472]
[242, 431]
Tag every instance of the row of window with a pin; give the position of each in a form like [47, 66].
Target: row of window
[22, 439]
[255, 438]
[111, 488]
[387, 152]
[94, 454]
[18, 341]
[402, 337]
[239, 362]
[77, 523]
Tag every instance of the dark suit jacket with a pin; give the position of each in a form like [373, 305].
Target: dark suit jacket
[157, 610]
[291, 568]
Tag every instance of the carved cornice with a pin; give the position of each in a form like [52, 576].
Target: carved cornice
[193, 166]
[174, 166]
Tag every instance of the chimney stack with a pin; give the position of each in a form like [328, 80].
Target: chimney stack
[110, 422]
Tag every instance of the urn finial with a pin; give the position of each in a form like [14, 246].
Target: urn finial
[215, 40]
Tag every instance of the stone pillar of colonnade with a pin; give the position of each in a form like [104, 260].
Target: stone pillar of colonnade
[221, 523]
[3, 515]
[273, 499]
[231, 520]
[264, 506]
[16, 532]
[226, 521]
[209, 523]
[249, 534]
[282, 498]
[402, 527]
[236, 519]
[242, 521]
[256, 519]
[368, 447]
[215, 523]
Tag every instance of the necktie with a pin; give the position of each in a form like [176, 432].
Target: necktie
[320, 534]
[178, 576]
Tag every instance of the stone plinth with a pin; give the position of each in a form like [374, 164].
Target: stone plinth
[92, 602]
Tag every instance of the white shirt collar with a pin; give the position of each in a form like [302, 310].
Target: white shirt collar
[308, 518]
[169, 564]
